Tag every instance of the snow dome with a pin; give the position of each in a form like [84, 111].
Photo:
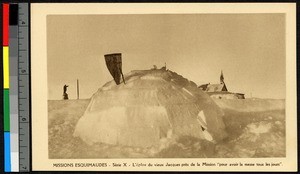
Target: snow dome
[153, 105]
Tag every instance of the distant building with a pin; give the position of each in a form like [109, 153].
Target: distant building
[220, 90]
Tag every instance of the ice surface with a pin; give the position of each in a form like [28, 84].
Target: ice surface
[187, 91]
[202, 116]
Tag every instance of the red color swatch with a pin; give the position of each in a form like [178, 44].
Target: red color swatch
[5, 24]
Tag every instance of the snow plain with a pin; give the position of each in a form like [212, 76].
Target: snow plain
[256, 128]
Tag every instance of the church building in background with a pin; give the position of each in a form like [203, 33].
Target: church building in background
[220, 90]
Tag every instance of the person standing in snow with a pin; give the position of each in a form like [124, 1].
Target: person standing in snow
[65, 95]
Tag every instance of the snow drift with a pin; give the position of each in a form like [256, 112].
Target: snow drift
[153, 105]
[251, 105]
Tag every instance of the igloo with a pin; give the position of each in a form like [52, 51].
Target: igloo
[152, 105]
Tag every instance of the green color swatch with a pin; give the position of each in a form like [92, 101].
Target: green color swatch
[6, 110]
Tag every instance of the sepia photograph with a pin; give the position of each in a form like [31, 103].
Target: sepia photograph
[166, 86]
[196, 85]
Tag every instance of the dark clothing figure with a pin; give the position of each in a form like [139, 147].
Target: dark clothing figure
[65, 88]
[65, 95]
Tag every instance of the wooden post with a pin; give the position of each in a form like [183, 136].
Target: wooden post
[77, 89]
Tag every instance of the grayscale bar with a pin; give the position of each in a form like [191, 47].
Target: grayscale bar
[13, 96]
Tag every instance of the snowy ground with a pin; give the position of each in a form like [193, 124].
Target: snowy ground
[252, 133]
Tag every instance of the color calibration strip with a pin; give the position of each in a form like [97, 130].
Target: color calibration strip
[11, 86]
[6, 108]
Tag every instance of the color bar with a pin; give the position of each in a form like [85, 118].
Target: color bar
[6, 67]
[6, 107]
[14, 86]
[5, 24]
[6, 110]
[7, 163]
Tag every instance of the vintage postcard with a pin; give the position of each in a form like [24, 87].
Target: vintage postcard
[164, 87]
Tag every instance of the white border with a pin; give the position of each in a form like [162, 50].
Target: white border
[39, 12]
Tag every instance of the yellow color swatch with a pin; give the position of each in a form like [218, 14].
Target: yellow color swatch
[6, 67]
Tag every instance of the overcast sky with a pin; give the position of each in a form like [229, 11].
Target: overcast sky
[249, 48]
